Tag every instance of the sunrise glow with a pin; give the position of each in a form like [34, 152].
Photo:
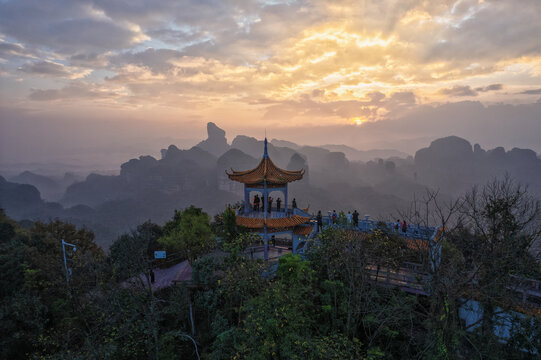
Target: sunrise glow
[281, 64]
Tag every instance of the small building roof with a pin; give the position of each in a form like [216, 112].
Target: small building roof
[266, 170]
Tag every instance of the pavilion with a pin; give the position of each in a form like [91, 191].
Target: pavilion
[265, 178]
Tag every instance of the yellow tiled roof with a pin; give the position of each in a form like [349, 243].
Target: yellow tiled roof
[258, 223]
[266, 170]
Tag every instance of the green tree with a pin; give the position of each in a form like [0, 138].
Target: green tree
[386, 249]
[132, 256]
[189, 234]
[40, 312]
[229, 222]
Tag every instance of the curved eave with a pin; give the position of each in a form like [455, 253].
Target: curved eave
[257, 223]
[265, 170]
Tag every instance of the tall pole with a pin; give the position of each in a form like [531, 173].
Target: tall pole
[265, 191]
[246, 200]
[285, 196]
[265, 236]
[65, 261]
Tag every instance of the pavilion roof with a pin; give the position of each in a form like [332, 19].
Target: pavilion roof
[285, 222]
[265, 170]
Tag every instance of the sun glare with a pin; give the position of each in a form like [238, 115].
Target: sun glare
[359, 120]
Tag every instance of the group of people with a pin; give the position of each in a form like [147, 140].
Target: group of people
[259, 203]
[401, 225]
[352, 218]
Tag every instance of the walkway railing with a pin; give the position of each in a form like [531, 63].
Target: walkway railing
[274, 213]
[367, 226]
[260, 214]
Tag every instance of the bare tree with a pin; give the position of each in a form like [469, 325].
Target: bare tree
[500, 223]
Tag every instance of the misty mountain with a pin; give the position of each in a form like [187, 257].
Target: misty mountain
[216, 143]
[367, 155]
[452, 164]
[12, 195]
[284, 143]
[50, 188]
[249, 145]
[237, 160]
[150, 188]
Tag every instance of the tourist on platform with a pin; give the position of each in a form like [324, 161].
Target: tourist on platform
[355, 218]
[270, 204]
[319, 221]
[278, 204]
[397, 225]
[404, 226]
[334, 216]
[256, 202]
[294, 203]
[350, 218]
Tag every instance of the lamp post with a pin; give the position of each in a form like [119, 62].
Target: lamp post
[65, 260]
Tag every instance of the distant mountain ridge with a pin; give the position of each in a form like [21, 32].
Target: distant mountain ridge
[365, 155]
[50, 188]
[151, 188]
[452, 163]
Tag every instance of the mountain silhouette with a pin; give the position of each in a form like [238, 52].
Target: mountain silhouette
[149, 188]
[216, 142]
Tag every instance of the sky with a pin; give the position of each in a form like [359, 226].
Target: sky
[128, 76]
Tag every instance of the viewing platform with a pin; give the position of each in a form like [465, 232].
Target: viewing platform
[274, 213]
[367, 226]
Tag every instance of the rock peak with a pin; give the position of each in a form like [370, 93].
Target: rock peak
[216, 142]
[214, 132]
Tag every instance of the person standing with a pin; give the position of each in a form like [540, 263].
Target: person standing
[270, 204]
[334, 215]
[319, 221]
[294, 203]
[350, 218]
[404, 226]
[278, 204]
[256, 202]
[355, 218]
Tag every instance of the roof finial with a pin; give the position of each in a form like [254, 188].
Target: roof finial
[265, 153]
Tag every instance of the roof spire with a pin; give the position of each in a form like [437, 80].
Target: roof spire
[265, 153]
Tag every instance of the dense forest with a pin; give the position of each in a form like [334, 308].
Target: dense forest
[322, 304]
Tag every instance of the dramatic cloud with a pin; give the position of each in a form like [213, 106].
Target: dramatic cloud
[493, 87]
[532, 92]
[10, 51]
[458, 90]
[65, 26]
[76, 90]
[45, 68]
[261, 64]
